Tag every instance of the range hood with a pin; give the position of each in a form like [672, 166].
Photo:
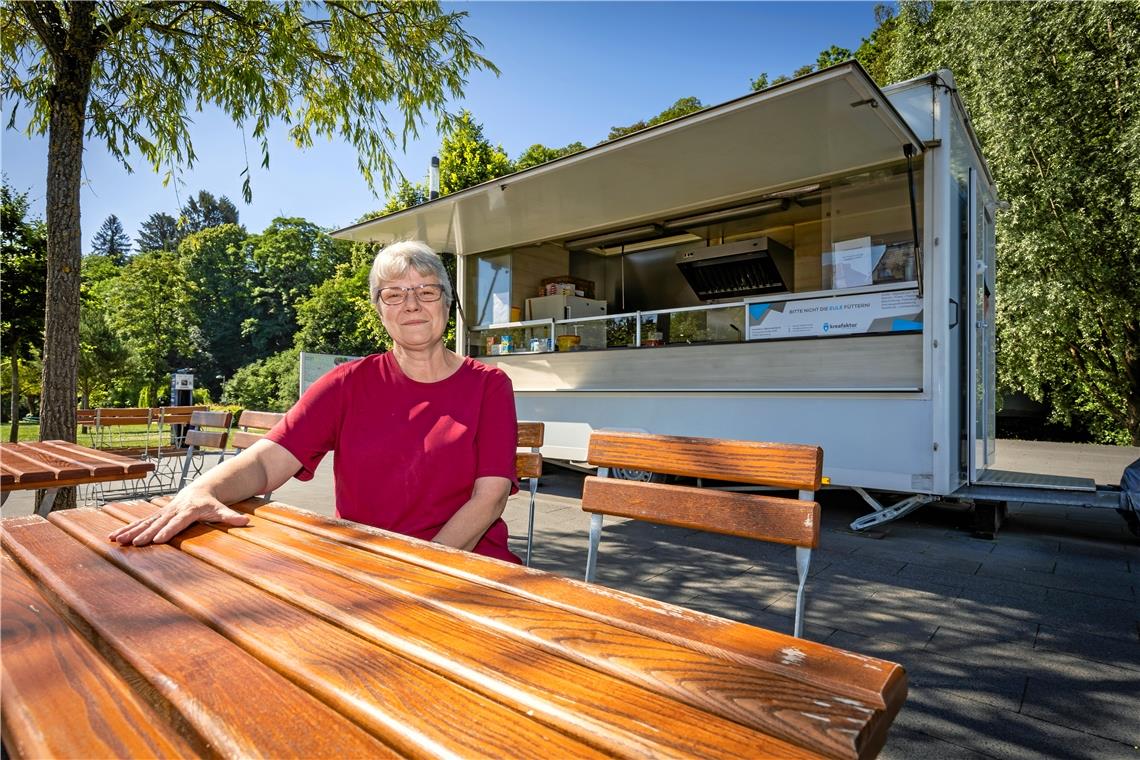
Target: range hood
[737, 270]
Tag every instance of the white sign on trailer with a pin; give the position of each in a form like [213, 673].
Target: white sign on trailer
[313, 366]
[886, 312]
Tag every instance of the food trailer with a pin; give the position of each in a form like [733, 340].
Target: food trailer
[810, 263]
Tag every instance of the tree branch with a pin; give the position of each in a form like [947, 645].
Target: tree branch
[48, 24]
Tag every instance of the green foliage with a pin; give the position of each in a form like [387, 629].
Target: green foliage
[269, 385]
[290, 258]
[112, 241]
[830, 57]
[407, 194]
[339, 319]
[682, 107]
[540, 154]
[23, 255]
[205, 211]
[1054, 94]
[103, 358]
[324, 74]
[158, 232]
[215, 261]
[467, 158]
[875, 51]
[151, 307]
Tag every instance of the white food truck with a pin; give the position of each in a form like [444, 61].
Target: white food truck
[812, 263]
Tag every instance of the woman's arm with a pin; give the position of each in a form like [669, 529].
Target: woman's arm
[261, 468]
[467, 526]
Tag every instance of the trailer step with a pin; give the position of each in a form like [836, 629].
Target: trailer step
[1010, 479]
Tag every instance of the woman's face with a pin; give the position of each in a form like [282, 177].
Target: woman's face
[415, 323]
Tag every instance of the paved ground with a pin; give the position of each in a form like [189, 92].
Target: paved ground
[1024, 646]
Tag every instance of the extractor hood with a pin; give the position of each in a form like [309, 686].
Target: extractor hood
[737, 270]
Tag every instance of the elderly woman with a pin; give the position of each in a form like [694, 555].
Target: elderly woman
[424, 439]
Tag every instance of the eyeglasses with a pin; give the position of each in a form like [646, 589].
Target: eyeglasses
[427, 293]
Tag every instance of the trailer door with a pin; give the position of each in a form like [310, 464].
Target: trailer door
[983, 374]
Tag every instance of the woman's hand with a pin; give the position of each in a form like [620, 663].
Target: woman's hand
[186, 508]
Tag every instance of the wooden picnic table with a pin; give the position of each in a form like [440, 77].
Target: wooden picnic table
[300, 635]
[51, 465]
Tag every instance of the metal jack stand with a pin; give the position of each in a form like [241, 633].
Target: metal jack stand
[886, 514]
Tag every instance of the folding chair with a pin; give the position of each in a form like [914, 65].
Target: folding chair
[197, 437]
[528, 465]
[762, 517]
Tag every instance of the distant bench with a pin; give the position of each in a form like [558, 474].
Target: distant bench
[107, 428]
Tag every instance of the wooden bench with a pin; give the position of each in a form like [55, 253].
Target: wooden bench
[200, 437]
[528, 466]
[252, 426]
[766, 518]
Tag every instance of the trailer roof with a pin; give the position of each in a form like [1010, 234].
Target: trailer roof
[823, 124]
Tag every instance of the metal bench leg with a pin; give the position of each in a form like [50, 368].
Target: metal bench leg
[530, 520]
[45, 504]
[595, 537]
[803, 561]
[186, 466]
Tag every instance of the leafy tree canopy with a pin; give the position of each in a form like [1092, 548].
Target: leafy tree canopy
[205, 211]
[112, 241]
[1054, 94]
[682, 107]
[467, 158]
[158, 232]
[23, 251]
[540, 154]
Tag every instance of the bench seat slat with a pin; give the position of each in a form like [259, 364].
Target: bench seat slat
[47, 658]
[181, 661]
[782, 465]
[768, 518]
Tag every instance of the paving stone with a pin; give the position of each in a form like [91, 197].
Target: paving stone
[999, 733]
[1121, 652]
[905, 744]
[1108, 707]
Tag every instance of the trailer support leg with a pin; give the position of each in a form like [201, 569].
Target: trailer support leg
[886, 514]
[988, 517]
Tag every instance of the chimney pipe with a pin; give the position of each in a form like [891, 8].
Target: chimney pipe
[433, 179]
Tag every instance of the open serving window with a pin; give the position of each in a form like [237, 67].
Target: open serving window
[754, 220]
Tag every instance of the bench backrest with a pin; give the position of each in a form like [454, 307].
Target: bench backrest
[528, 464]
[253, 425]
[761, 517]
[176, 415]
[200, 436]
[113, 417]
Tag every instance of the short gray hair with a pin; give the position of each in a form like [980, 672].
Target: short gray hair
[394, 261]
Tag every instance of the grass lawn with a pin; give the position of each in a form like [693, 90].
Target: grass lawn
[125, 436]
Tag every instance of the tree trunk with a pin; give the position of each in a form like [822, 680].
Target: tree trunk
[14, 435]
[67, 108]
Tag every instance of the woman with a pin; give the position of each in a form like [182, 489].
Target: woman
[424, 439]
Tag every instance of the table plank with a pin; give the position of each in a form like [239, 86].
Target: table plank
[867, 682]
[180, 662]
[43, 464]
[760, 694]
[48, 664]
[617, 716]
[410, 707]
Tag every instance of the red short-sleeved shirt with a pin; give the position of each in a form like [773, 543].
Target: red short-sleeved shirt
[407, 453]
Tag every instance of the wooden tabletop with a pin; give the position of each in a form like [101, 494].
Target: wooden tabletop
[54, 464]
[300, 635]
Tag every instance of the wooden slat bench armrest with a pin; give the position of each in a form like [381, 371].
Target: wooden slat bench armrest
[782, 465]
[767, 518]
[47, 658]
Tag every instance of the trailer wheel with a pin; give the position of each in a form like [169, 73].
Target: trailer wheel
[643, 476]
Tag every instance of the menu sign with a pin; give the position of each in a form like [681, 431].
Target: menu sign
[887, 312]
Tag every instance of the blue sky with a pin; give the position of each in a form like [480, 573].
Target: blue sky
[570, 71]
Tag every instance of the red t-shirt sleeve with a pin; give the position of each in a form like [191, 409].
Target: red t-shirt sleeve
[310, 428]
[497, 438]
